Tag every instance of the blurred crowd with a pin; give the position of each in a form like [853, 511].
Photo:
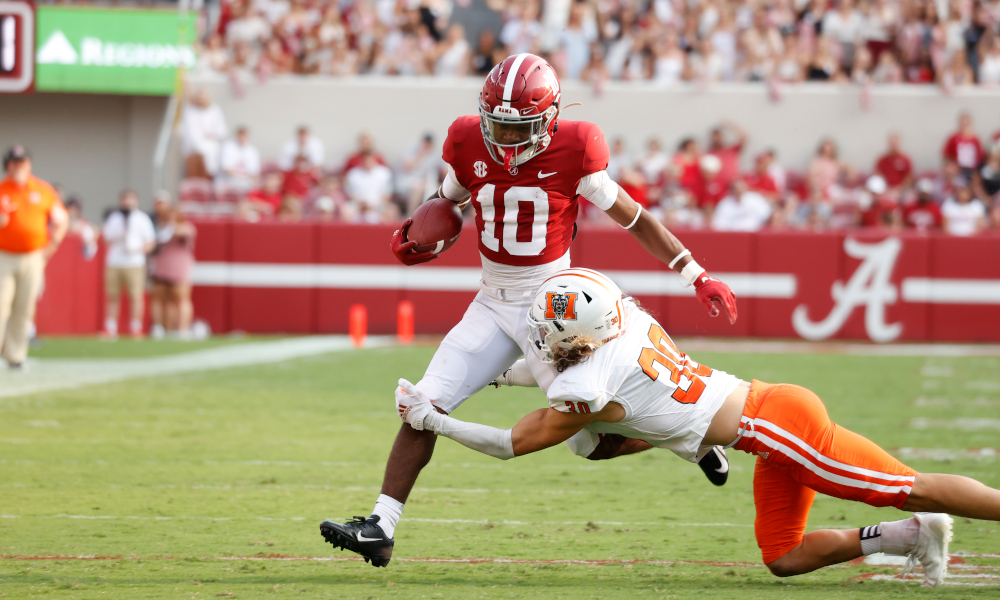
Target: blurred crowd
[701, 184]
[950, 42]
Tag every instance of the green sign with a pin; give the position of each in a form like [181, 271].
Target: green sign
[111, 51]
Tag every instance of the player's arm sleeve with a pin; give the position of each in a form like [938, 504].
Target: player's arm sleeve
[578, 401]
[584, 442]
[599, 189]
[452, 189]
[518, 374]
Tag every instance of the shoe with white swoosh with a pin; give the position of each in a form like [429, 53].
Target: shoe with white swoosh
[715, 465]
[362, 536]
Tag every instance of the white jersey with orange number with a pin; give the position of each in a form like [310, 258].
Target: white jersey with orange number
[669, 399]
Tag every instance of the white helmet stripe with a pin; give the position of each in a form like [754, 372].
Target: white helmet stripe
[508, 88]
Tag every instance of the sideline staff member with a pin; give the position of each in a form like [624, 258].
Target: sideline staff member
[33, 223]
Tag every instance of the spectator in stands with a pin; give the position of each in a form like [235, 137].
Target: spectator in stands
[451, 56]
[33, 223]
[653, 167]
[679, 211]
[826, 169]
[265, 200]
[523, 32]
[487, 53]
[923, 214]
[129, 235]
[879, 208]
[895, 166]
[669, 65]
[845, 27]
[963, 146]
[366, 145]
[369, 188]
[300, 179]
[619, 157]
[710, 190]
[290, 210]
[684, 165]
[824, 65]
[303, 144]
[331, 200]
[203, 128]
[80, 227]
[240, 162]
[963, 214]
[728, 154]
[988, 182]
[741, 210]
[575, 40]
[989, 65]
[170, 301]
[418, 175]
[760, 179]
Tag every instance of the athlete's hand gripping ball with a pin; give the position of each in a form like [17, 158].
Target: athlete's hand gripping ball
[715, 295]
[404, 250]
[411, 404]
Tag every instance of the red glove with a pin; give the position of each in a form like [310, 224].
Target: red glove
[404, 249]
[714, 295]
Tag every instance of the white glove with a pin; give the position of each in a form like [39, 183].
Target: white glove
[411, 404]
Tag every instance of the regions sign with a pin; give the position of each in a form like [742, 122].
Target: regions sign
[114, 51]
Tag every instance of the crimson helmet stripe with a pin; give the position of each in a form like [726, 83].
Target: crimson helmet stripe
[508, 88]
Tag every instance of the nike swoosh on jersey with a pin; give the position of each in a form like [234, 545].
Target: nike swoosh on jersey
[544, 175]
[362, 538]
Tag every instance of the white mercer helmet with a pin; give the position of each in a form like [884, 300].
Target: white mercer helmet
[572, 303]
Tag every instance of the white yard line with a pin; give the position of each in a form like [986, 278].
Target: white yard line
[46, 375]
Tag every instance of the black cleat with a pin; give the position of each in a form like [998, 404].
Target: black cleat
[362, 536]
[715, 465]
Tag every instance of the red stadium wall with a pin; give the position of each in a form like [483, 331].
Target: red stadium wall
[302, 278]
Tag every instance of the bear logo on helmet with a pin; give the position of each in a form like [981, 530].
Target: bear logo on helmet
[560, 306]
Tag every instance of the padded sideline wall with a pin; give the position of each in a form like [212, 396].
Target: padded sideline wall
[95, 145]
[398, 110]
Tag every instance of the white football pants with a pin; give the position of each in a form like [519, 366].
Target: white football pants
[490, 337]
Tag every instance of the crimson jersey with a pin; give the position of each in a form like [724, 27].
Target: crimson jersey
[525, 219]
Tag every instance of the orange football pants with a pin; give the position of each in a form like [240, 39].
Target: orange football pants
[801, 452]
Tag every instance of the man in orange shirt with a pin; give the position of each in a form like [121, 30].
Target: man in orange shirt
[32, 225]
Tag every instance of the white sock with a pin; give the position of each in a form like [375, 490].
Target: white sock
[111, 326]
[389, 511]
[135, 325]
[897, 538]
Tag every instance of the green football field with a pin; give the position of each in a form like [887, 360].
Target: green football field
[212, 484]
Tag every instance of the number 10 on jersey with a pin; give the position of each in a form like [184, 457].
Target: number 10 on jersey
[519, 238]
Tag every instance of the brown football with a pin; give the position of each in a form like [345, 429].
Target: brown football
[436, 226]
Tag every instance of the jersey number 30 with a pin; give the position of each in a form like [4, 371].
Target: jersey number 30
[688, 380]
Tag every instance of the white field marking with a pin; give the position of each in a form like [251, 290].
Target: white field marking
[881, 559]
[988, 385]
[59, 374]
[979, 402]
[946, 454]
[849, 348]
[961, 424]
[937, 371]
[918, 580]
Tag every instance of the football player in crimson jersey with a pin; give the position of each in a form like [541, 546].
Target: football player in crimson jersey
[607, 367]
[523, 170]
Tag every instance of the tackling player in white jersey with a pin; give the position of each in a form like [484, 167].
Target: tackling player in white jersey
[523, 171]
[607, 367]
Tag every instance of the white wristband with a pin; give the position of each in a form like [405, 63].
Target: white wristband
[684, 253]
[691, 271]
[635, 220]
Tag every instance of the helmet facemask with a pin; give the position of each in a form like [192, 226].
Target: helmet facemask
[512, 139]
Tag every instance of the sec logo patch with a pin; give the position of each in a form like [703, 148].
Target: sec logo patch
[480, 168]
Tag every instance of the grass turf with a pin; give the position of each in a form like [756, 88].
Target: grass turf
[207, 485]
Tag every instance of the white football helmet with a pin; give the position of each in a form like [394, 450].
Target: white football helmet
[572, 303]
